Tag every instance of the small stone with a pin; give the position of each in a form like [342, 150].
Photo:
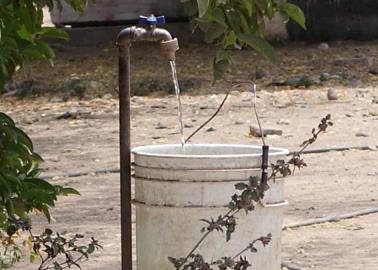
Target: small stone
[335, 77]
[30, 120]
[283, 122]
[67, 115]
[188, 126]
[323, 46]
[278, 82]
[298, 82]
[260, 73]
[375, 100]
[160, 126]
[361, 134]
[239, 122]
[158, 107]
[255, 132]
[348, 115]
[332, 94]
[373, 148]
[156, 137]
[373, 70]
[56, 100]
[54, 159]
[324, 76]
[210, 129]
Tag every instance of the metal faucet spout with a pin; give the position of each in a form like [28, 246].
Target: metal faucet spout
[132, 34]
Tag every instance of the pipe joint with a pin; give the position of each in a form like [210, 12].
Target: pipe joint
[132, 34]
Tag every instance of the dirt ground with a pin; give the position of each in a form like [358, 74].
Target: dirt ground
[336, 182]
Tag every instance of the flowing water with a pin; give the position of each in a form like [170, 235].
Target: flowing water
[179, 107]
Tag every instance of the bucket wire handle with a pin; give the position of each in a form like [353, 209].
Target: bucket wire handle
[232, 87]
[265, 148]
[256, 113]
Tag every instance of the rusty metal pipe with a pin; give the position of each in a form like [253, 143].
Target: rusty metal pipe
[133, 34]
[125, 156]
[168, 48]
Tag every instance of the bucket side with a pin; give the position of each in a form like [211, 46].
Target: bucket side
[196, 194]
[163, 232]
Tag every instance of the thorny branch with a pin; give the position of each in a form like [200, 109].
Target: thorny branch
[58, 252]
[249, 194]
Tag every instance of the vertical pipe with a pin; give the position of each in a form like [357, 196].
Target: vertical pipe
[125, 156]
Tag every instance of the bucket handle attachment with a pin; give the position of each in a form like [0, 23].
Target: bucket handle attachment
[271, 205]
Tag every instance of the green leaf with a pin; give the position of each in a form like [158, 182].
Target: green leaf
[24, 139]
[215, 30]
[260, 45]
[230, 39]
[46, 49]
[54, 33]
[248, 6]
[23, 33]
[190, 7]
[25, 13]
[234, 21]
[77, 5]
[33, 256]
[34, 53]
[219, 17]
[221, 63]
[241, 186]
[202, 7]
[221, 55]
[40, 184]
[6, 119]
[5, 190]
[46, 212]
[295, 13]
[69, 191]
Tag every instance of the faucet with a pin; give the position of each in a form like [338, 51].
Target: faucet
[146, 31]
[149, 32]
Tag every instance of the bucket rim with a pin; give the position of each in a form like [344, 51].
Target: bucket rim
[141, 151]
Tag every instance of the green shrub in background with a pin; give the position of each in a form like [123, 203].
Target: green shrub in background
[22, 36]
[236, 24]
[22, 192]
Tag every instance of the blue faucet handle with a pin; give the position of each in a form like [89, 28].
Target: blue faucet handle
[151, 20]
[160, 20]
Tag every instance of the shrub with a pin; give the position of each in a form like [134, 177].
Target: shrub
[23, 192]
[238, 23]
[22, 36]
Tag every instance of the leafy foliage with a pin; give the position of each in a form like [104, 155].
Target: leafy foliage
[236, 24]
[246, 196]
[22, 191]
[59, 251]
[22, 36]
[237, 262]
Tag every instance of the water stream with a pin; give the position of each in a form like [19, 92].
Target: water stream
[179, 107]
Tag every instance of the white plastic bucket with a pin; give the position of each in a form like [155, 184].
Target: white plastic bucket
[175, 188]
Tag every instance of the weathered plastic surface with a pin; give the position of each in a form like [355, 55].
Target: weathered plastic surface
[203, 156]
[173, 190]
